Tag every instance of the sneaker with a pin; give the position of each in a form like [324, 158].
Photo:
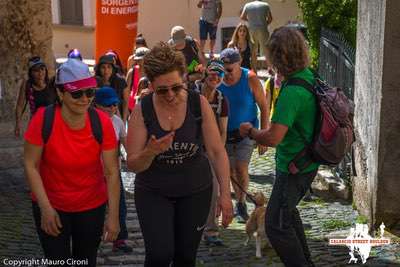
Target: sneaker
[212, 240]
[242, 212]
[121, 246]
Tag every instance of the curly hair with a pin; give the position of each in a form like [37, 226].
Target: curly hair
[288, 51]
[163, 59]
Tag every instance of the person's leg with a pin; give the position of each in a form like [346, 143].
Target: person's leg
[254, 36]
[87, 229]
[54, 248]
[211, 230]
[190, 219]
[264, 37]
[156, 218]
[231, 151]
[213, 36]
[243, 156]
[203, 34]
[282, 222]
[120, 244]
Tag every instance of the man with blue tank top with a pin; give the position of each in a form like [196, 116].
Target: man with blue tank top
[244, 93]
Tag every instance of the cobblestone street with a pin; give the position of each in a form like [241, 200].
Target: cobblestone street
[18, 239]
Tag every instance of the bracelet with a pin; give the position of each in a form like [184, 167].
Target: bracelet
[249, 133]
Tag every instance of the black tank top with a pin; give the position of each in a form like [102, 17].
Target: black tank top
[246, 57]
[181, 170]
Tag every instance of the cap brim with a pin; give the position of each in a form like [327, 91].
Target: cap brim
[138, 58]
[81, 84]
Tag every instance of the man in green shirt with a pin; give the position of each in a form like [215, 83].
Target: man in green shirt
[292, 127]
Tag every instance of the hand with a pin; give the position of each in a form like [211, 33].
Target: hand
[225, 206]
[50, 221]
[262, 149]
[244, 129]
[144, 92]
[199, 68]
[158, 146]
[111, 229]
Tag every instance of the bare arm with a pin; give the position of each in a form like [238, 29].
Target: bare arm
[129, 63]
[214, 147]
[219, 159]
[260, 98]
[243, 16]
[223, 126]
[219, 11]
[271, 137]
[129, 79]
[125, 109]
[111, 172]
[269, 19]
[50, 220]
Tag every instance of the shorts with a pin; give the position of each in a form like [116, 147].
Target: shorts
[240, 151]
[260, 37]
[207, 28]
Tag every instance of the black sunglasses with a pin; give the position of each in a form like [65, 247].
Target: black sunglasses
[162, 90]
[78, 94]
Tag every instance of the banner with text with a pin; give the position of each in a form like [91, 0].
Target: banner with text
[116, 27]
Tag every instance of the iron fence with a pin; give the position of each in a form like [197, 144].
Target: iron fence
[336, 66]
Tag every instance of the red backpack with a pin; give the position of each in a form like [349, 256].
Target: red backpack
[334, 131]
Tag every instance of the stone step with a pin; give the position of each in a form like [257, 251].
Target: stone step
[11, 153]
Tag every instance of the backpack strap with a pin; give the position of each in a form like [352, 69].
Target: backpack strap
[271, 87]
[48, 121]
[148, 110]
[97, 129]
[195, 107]
[300, 82]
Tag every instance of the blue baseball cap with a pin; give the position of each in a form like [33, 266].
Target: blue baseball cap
[230, 55]
[106, 96]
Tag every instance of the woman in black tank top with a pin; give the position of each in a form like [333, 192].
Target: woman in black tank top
[242, 40]
[173, 182]
[38, 91]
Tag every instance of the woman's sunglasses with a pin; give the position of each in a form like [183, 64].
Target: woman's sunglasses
[78, 94]
[111, 105]
[162, 90]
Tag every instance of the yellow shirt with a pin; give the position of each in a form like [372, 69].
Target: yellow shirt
[275, 95]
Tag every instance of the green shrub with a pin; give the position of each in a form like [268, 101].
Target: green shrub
[337, 15]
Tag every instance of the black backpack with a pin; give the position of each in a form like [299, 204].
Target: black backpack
[48, 121]
[193, 102]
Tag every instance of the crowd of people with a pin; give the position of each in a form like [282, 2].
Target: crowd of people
[192, 125]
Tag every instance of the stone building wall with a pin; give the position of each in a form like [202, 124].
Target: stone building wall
[25, 30]
[377, 121]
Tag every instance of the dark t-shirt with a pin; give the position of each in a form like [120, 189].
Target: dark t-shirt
[40, 98]
[183, 169]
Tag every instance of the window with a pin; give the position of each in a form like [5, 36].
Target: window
[71, 12]
[227, 33]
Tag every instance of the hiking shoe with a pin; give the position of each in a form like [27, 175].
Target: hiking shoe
[212, 240]
[242, 211]
[121, 246]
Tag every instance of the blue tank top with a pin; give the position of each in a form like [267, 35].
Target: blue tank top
[242, 104]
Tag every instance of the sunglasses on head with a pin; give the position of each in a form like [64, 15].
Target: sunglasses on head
[78, 94]
[162, 90]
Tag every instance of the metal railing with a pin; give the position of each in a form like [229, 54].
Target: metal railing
[336, 66]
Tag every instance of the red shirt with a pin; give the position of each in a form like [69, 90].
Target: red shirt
[71, 168]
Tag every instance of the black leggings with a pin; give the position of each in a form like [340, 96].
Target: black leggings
[172, 227]
[83, 228]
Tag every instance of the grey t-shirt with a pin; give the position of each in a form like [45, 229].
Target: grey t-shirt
[209, 10]
[119, 127]
[257, 14]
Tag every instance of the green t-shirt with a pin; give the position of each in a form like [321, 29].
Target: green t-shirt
[296, 108]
